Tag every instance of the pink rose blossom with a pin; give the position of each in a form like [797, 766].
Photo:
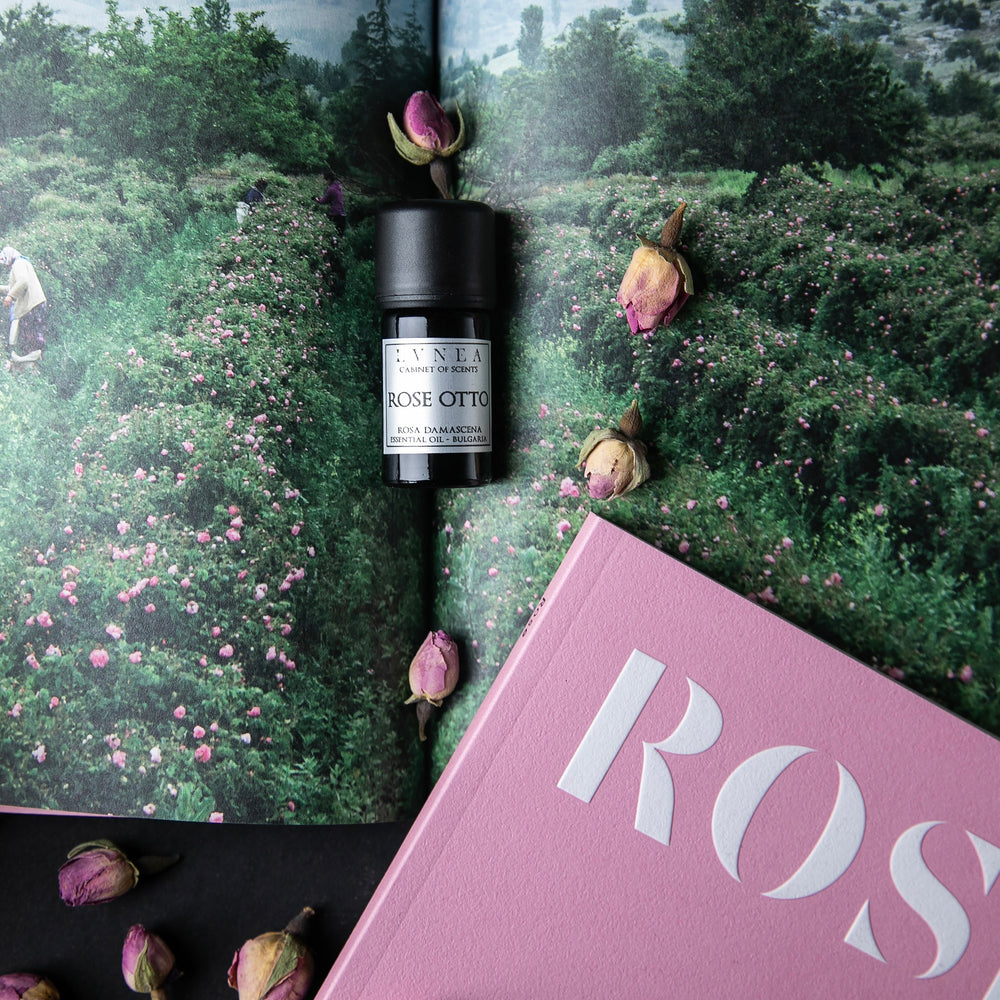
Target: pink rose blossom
[254, 712]
[567, 488]
[203, 754]
[179, 712]
[198, 732]
[226, 651]
[99, 657]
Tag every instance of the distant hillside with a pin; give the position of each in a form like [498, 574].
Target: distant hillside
[939, 37]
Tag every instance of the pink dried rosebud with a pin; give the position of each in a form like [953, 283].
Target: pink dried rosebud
[614, 461]
[427, 131]
[147, 962]
[428, 136]
[658, 280]
[433, 675]
[274, 966]
[26, 986]
[426, 124]
[96, 872]
[434, 669]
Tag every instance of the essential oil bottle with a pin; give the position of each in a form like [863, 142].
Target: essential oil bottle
[435, 280]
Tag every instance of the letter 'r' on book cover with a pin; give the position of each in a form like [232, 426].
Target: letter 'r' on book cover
[672, 792]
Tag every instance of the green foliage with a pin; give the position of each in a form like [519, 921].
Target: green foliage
[820, 416]
[550, 117]
[965, 93]
[35, 55]
[820, 99]
[188, 609]
[170, 91]
[189, 94]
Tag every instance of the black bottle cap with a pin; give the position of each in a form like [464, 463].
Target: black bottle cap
[435, 254]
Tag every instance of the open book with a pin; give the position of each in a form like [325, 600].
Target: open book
[209, 600]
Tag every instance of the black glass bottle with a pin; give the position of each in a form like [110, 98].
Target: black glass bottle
[435, 281]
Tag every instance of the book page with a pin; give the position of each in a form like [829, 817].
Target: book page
[818, 415]
[209, 600]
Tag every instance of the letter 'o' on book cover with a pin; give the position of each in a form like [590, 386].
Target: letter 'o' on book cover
[670, 792]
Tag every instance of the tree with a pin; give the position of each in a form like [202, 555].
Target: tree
[177, 91]
[965, 94]
[600, 89]
[529, 42]
[762, 87]
[35, 55]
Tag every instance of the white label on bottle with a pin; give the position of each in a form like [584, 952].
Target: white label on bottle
[435, 396]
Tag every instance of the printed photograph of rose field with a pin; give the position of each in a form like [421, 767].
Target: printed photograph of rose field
[209, 600]
[820, 417]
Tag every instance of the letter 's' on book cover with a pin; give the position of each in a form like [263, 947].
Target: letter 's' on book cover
[671, 792]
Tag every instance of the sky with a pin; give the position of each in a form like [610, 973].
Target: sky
[316, 28]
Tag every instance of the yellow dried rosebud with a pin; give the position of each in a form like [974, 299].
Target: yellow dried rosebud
[614, 461]
[274, 966]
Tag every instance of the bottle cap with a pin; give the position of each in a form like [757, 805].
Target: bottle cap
[435, 254]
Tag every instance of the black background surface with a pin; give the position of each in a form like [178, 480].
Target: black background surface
[232, 883]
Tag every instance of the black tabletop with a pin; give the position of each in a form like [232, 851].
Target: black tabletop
[231, 883]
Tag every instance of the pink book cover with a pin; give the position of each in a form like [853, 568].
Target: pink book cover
[671, 792]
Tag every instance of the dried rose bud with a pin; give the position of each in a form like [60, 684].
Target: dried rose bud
[95, 873]
[427, 131]
[274, 966]
[26, 986]
[428, 136]
[147, 962]
[657, 281]
[614, 461]
[433, 675]
[427, 125]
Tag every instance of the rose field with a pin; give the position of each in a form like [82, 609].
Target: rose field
[820, 416]
[209, 599]
[199, 616]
